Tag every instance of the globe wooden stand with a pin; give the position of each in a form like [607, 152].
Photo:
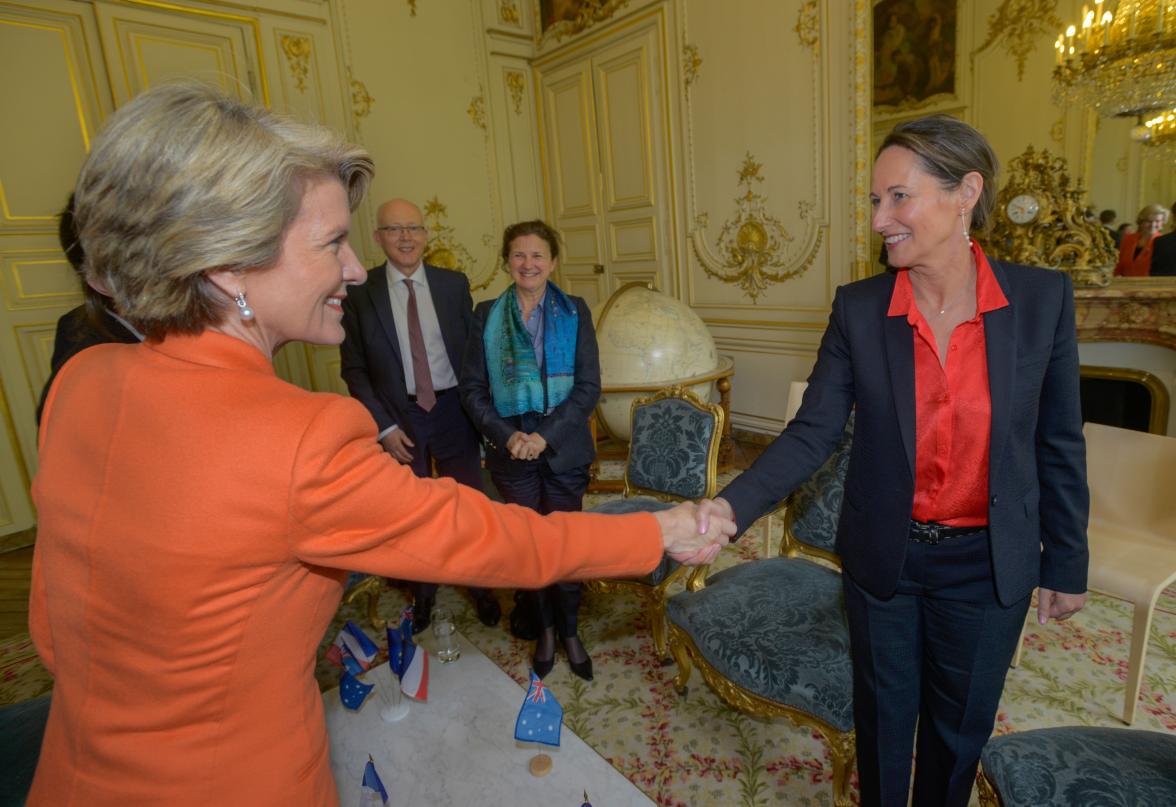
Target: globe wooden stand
[609, 447]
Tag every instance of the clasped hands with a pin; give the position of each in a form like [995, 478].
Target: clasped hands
[526, 446]
[693, 533]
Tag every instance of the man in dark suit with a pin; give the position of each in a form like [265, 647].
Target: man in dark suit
[406, 332]
[1163, 262]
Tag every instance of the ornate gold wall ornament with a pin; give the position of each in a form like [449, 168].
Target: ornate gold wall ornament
[1019, 25]
[477, 111]
[444, 250]
[361, 100]
[297, 50]
[589, 13]
[808, 25]
[516, 83]
[691, 61]
[508, 12]
[1053, 232]
[412, 8]
[1057, 132]
[750, 245]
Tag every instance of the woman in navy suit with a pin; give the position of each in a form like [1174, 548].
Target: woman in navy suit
[530, 381]
[966, 485]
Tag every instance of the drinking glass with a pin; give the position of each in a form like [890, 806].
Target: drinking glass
[445, 632]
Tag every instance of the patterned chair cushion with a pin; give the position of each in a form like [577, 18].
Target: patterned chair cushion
[642, 504]
[816, 504]
[790, 649]
[669, 448]
[1081, 765]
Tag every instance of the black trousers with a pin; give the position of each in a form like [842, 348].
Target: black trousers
[533, 484]
[444, 435]
[936, 654]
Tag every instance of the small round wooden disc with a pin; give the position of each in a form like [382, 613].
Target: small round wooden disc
[540, 765]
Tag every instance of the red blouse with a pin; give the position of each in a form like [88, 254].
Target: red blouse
[953, 410]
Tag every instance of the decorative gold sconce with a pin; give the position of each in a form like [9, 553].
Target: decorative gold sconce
[1039, 221]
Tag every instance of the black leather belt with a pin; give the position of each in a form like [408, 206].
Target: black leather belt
[437, 392]
[930, 532]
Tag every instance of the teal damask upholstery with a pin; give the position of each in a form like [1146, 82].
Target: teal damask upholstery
[1079, 765]
[815, 507]
[642, 504]
[791, 649]
[669, 448]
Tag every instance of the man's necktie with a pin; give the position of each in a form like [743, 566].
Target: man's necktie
[425, 397]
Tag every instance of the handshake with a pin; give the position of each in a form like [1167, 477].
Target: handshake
[693, 533]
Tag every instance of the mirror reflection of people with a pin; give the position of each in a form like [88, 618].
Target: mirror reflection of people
[197, 513]
[1163, 262]
[406, 328]
[966, 484]
[1135, 250]
[530, 383]
[94, 322]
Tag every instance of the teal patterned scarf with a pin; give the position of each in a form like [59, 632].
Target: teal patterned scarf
[516, 382]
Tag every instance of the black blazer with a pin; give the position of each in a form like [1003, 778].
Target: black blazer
[76, 332]
[371, 365]
[1163, 261]
[1038, 499]
[566, 429]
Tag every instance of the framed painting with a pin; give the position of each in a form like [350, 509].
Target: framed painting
[914, 52]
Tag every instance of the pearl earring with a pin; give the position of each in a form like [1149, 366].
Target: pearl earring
[243, 307]
[964, 227]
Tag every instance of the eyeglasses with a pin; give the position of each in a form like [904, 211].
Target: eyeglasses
[396, 229]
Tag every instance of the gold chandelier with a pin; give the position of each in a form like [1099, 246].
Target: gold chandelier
[1159, 132]
[1121, 62]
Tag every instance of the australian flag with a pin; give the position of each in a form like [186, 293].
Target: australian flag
[352, 691]
[352, 649]
[541, 716]
[372, 792]
[407, 660]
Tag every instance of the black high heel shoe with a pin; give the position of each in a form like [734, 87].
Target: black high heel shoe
[580, 668]
[543, 666]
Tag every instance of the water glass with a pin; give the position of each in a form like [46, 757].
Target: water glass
[445, 632]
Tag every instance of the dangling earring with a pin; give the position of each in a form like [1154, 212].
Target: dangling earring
[243, 307]
[964, 228]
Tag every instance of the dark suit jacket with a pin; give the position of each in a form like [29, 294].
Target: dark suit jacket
[1038, 499]
[76, 332]
[372, 366]
[566, 429]
[1163, 262]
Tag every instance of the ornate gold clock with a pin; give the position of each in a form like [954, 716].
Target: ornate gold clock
[1039, 221]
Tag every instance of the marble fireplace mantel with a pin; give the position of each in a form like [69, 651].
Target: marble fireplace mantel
[1121, 313]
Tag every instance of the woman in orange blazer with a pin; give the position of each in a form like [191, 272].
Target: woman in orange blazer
[197, 513]
[1135, 250]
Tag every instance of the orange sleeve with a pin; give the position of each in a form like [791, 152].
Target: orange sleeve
[353, 507]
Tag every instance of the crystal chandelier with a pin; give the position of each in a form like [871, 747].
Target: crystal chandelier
[1122, 62]
[1159, 132]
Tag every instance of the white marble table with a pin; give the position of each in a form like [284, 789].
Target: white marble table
[459, 747]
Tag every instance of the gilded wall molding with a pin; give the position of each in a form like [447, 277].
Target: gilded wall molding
[691, 61]
[412, 8]
[751, 244]
[863, 264]
[508, 12]
[445, 251]
[361, 99]
[808, 25]
[1017, 25]
[589, 13]
[297, 52]
[516, 84]
[477, 111]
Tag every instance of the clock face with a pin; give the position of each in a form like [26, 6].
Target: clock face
[1022, 209]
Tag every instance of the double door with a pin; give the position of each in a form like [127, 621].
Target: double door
[607, 163]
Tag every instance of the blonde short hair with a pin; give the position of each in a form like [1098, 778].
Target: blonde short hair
[184, 180]
[1150, 212]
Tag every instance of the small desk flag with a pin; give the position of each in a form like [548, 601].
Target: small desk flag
[352, 691]
[352, 649]
[407, 660]
[372, 792]
[540, 717]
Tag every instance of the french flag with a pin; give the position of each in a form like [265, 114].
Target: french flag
[352, 649]
[407, 660]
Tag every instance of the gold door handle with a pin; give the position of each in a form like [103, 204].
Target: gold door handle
[598, 268]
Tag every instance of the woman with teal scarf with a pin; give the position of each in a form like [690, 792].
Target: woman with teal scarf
[530, 381]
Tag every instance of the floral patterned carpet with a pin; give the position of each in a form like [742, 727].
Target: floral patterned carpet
[695, 750]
